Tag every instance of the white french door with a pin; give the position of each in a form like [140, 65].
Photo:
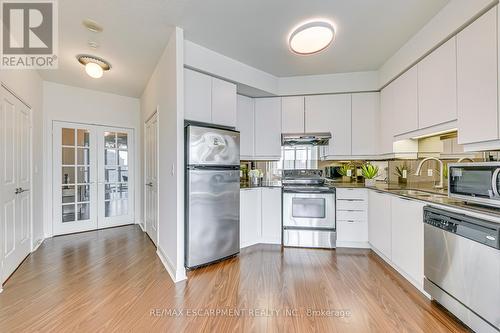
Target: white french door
[151, 178]
[92, 177]
[15, 179]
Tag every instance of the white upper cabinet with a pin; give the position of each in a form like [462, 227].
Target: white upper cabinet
[477, 75]
[386, 123]
[405, 102]
[365, 119]
[331, 113]
[223, 102]
[437, 86]
[197, 96]
[208, 99]
[407, 233]
[292, 114]
[268, 128]
[245, 123]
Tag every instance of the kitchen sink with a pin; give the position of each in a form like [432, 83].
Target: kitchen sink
[418, 193]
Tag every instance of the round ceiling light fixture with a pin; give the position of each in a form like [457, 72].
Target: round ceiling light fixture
[92, 25]
[94, 66]
[311, 37]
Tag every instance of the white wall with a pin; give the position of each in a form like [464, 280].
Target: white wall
[329, 83]
[256, 83]
[165, 93]
[216, 64]
[27, 85]
[72, 104]
[444, 24]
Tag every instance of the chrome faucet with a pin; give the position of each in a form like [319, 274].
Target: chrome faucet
[441, 174]
[465, 158]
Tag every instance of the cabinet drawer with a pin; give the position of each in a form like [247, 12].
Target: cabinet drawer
[351, 215]
[352, 231]
[352, 204]
[351, 193]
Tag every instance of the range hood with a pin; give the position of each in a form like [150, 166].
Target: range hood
[301, 139]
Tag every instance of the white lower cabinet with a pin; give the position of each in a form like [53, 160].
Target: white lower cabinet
[408, 238]
[271, 215]
[250, 217]
[379, 222]
[396, 231]
[260, 216]
[352, 218]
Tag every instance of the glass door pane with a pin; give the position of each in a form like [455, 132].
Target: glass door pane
[75, 190]
[75, 175]
[116, 182]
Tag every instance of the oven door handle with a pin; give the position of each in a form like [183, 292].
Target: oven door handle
[494, 181]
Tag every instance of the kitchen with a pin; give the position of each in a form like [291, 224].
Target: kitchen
[257, 167]
[394, 181]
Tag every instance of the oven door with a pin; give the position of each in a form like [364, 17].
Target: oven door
[475, 182]
[309, 210]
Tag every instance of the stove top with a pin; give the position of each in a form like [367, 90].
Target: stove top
[305, 177]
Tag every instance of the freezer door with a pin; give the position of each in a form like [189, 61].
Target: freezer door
[212, 146]
[213, 216]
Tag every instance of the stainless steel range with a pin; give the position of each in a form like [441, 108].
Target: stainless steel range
[308, 210]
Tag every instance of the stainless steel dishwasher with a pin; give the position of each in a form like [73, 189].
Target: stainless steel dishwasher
[462, 266]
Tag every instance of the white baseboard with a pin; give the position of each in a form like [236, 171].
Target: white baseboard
[175, 275]
[354, 245]
[419, 286]
[37, 245]
[141, 226]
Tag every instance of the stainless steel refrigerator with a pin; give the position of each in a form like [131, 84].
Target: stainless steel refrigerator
[212, 211]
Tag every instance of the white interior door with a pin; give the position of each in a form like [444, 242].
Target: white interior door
[74, 178]
[92, 177]
[15, 178]
[116, 175]
[151, 178]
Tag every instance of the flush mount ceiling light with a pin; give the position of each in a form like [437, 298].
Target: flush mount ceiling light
[311, 37]
[94, 66]
[92, 25]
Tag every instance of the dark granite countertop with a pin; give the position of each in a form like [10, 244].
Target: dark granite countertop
[438, 197]
[246, 185]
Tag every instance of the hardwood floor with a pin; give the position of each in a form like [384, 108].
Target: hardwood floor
[112, 280]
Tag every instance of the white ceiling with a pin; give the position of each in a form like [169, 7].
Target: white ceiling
[251, 31]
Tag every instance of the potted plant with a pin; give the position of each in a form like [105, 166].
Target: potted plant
[402, 171]
[346, 172]
[370, 172]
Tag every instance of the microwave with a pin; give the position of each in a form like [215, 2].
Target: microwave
[475, 182]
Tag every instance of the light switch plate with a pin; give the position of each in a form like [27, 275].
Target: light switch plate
[429, 172]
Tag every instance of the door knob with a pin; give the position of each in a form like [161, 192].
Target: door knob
[150, 184]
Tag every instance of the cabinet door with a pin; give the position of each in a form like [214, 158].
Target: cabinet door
[245, 124]
[365, 117]
[271, 215]
[379, 222]
[437, 86]
[408, 237]
[406, 102]
[386, 122]
[331, 113]
[477, 87]
[268, 127]
[250, 217]
[223, 103]
[197, 96]
[292, 114]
